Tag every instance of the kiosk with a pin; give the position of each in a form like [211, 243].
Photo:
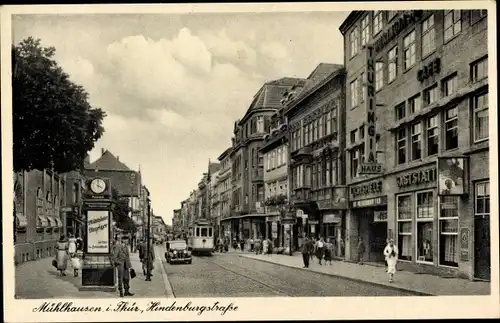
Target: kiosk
[98, 272]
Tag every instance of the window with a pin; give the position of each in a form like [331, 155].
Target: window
[482, 199]
[328, 125]
[409, 50]
[378, 22]
[333, 172]
[353, 41]
[425, 227]
[314, 175]
[333, 119]
[431, 95]
[268, 157]
[204, 232]
[328, 173]
[405, 226]
[197, 232]
[365, 30]
[391, 14]
[428, 36]
[476, 15]
[401, 142]
[450, 85]
[321, 132]
[432, 136]
[320, 174]
[354, 93]
[416, 141]
[479, 70]
[354, 162]
[448, 231]
[363, 87]
[353, 136]
[260, 124]
[362, 132]
[415, 104]
[400, 111]
[452, 24]
[393, 64]
[379, 75]
[481, 117]
[451, 128]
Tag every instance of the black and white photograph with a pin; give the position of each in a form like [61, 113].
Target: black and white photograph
[207, 162]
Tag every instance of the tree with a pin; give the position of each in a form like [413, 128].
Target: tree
[121, 211]
[54, 125]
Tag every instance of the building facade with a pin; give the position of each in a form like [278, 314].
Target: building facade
[417, 138]
[214, 202]
[316, 168]
[248, 215]
[276, 193]
[40, 206]
[224, 191]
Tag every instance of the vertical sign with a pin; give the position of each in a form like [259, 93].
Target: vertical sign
[369, 164]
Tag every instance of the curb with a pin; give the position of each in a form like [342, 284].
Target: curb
[358, 280]
[166, 282]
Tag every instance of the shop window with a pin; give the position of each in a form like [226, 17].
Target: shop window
[365, 30]
[416, 141]
[405, 226]
[451, 128]
[482, 199]
[452, 24]
[393, 64]
[401, 143]
[448, 231]
[425, 226]
[378, 22]
[428, 36]
[481, 117]
[409, 50]
[432, 135]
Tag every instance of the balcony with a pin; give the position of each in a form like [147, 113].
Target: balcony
[301, 195]
[331, 198]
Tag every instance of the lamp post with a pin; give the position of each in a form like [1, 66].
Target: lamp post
[148, 249]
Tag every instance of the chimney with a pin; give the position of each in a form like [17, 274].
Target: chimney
[102, 151]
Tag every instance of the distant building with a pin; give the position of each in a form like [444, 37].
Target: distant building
[224, 191]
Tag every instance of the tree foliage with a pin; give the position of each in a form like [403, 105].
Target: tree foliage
[54, 125]
[121, 212]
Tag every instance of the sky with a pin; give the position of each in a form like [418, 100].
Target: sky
[172, 85]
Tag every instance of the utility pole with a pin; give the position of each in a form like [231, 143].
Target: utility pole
[148, 258]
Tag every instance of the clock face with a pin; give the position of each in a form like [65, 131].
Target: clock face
[98, 185]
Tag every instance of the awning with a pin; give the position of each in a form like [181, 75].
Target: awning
[51, 222]
[21, 220]
[43, 222]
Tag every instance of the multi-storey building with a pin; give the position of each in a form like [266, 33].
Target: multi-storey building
[177, 221]
[40, 207]
[276, 193]
[417, 122]
[316, 125]
[143, 206]
[224, 187]
[247, 164]
[214, 201]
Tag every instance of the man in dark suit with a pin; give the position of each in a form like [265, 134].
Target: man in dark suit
[305, 249]
[121, 260]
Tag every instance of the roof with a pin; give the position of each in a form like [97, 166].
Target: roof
[126, 182]
[270, 94]
[351, 18]
[107, 161]
[224, 154]
[321, 72]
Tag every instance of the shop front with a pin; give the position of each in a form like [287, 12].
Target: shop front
[367, 221]
[274, 230]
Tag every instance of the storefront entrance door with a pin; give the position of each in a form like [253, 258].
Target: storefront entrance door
[482, 262]
[378, 237]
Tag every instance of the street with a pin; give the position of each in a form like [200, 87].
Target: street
[228, 275]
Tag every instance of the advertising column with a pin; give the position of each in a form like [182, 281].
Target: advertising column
[97, 270]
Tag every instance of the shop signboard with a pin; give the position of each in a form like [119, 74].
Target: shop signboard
[453, 176]
[464, 244]
[376, 201]
[332, 218]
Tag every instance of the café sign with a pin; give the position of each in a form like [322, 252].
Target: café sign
[434, 67]
[417, 177]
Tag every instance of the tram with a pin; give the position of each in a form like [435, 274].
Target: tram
[201, 238]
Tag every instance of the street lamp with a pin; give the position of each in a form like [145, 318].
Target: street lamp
[148, 249]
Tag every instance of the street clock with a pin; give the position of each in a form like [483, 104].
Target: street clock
[98, 185]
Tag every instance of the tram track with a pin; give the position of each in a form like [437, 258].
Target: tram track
[208, 259]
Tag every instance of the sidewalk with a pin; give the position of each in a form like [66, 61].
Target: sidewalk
[38, 279]
[424, 284]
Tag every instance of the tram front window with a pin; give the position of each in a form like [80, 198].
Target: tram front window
[197, 232]
[204, 232]
[209, 232]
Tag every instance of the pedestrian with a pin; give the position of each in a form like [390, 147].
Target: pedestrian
[312, 247]
[265, 246]
[75, 262]
[320, 244]
[242, 244]
[361, 250]
[235, 244]
[79, 243]
[328, 251]
[62, 255]
[251, 242]
[305, 252]
[149, 258]
[142, 253]
[258, 246]
[121, 261]
[391, 255]
[269, 247]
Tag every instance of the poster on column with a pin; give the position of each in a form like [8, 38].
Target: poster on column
[274, 231]
[98, 231]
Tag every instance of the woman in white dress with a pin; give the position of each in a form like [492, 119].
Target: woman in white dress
[72, 253]
[391, 256]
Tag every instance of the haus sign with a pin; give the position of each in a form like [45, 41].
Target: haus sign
[405, 20]
[417, 177]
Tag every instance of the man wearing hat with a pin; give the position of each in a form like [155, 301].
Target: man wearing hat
[121, 260]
